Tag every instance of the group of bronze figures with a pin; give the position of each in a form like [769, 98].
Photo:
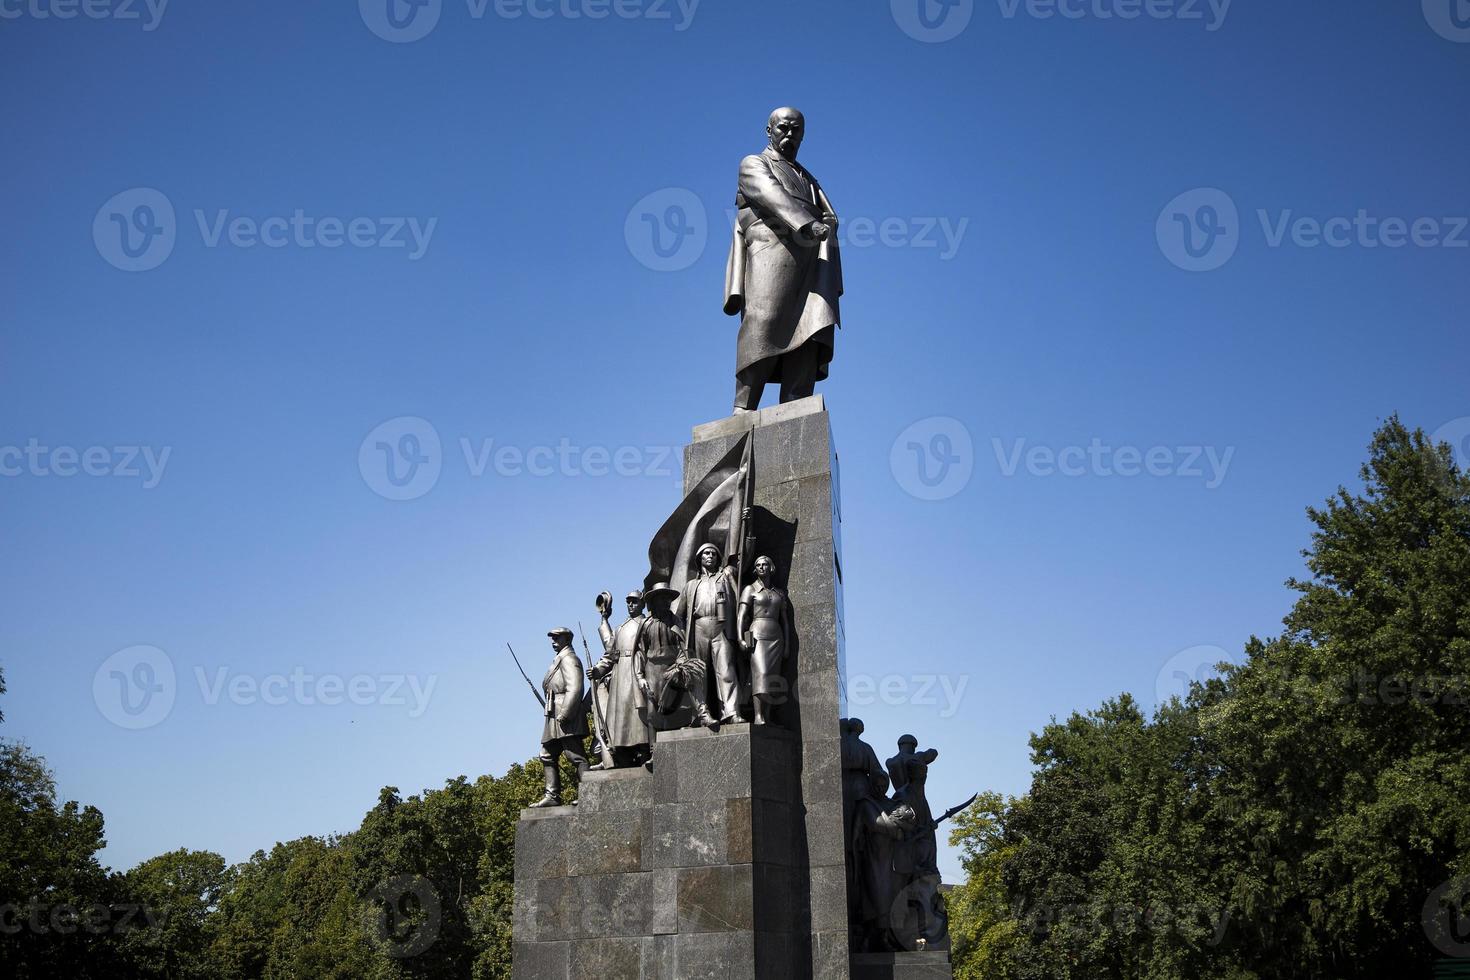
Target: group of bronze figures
[708, 655]
[892, 843]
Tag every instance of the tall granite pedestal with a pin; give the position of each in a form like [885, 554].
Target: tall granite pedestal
[725, 858]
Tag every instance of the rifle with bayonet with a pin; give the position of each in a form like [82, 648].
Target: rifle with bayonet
[534, 692]
[598, 721]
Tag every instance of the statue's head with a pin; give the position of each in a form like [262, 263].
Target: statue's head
[660, 599]
[561, 637]
[907, 743]
[856, 726]
[635, 602]
[764, 567]
[709, 557]
[785, 129]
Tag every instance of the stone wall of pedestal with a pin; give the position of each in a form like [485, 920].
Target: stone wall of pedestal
[798, 524]
[724, 859]
[685, 872]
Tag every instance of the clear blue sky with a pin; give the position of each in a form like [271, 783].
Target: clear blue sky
[1048, 146]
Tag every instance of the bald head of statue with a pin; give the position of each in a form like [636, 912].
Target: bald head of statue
[785, 128]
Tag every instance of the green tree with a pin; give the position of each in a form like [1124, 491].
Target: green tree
[171, 900]
[1289, 819]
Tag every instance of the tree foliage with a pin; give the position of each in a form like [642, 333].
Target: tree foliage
[1292, 818]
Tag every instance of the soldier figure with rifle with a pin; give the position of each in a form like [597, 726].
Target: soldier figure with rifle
[564, 709]
[626, 722]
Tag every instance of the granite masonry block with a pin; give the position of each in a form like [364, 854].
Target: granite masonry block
[614, 905]
[716, 899]
[829, 955]
[540, 961]
[615, 789]
[700, 458]
[821, 770]
[815, 513]
[607, 842]
[684, 835]
[715, 956]
[544, 910]
[665, 901]
[829, 897]
[739, 844]
[812, 578]
[541, 847]
[607, 959]
[793, 450]
[773, 830]
[721, 773]
[824, 836]
[777, 896]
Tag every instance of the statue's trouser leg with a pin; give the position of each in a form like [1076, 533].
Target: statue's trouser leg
[572, 748]
[799, 372]
[750, 384]
[726, 676]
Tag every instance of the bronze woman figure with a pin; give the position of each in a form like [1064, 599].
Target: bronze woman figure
[765, 633]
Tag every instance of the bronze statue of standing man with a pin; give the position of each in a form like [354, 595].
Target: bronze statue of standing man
[784, 274]
[565, 724]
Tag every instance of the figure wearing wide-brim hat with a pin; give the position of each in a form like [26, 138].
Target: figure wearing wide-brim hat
[565, 724]
[672, 674]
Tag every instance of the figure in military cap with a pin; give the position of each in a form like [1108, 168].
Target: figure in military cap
[708, 608]
[565, 727]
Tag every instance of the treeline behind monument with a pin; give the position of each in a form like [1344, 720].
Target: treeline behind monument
[1306, 815]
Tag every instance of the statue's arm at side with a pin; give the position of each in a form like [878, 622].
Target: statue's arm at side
[759, 186]
[827, 212]
[571, 676]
